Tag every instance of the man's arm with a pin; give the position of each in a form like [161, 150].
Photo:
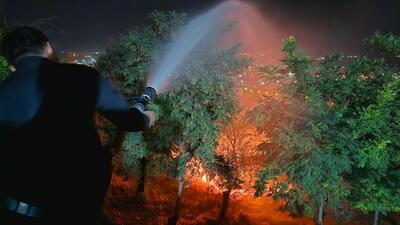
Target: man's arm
[112, 105]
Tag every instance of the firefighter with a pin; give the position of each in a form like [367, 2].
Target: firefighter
[54, 169]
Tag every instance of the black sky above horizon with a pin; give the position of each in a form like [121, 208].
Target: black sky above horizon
[86, 24]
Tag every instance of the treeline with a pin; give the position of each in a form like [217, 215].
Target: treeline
[336, 131]
[333, 132]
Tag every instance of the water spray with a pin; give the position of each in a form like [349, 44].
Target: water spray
[189, 39]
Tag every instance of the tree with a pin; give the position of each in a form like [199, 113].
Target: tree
[4, 72]
[127, 63]
[190, 114]
[307, 167]
[323, 132]
[376, 171]
[199, 108]
[388, 43]
[238, 159]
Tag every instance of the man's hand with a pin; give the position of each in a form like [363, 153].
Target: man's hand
[151, 116]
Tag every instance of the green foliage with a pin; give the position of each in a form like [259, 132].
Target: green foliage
[4, 72]
[128, 61]
[336, 131]
[133, 149]
[309, 158]
[192, 112]
[386, 42]
[166, 24]
[377, 160]
[202, 99]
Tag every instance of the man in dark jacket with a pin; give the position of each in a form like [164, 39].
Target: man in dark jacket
[53, 168]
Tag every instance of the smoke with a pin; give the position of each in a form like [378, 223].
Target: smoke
[329, 26]
[319, 26]
[189, 39]
[253, 31]
[256, 34]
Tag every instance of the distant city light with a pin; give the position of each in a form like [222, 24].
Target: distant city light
[82, 58]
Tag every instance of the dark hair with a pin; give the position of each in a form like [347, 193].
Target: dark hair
[22, 41]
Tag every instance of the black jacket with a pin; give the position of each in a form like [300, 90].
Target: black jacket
[49, 147]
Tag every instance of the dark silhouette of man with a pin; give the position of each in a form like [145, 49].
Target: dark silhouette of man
[54, 169]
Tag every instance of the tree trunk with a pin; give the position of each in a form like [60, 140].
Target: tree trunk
[142, 178]
[376, 217]
[320, 212]
[182, 169]
[225, 203]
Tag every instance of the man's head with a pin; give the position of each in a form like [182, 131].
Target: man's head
[26, 41]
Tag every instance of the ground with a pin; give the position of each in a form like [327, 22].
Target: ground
[200, 206]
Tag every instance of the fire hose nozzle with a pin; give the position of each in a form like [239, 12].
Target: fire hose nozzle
[140, 102]
[149, 94]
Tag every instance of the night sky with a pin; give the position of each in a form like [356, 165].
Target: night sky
[87, 24]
